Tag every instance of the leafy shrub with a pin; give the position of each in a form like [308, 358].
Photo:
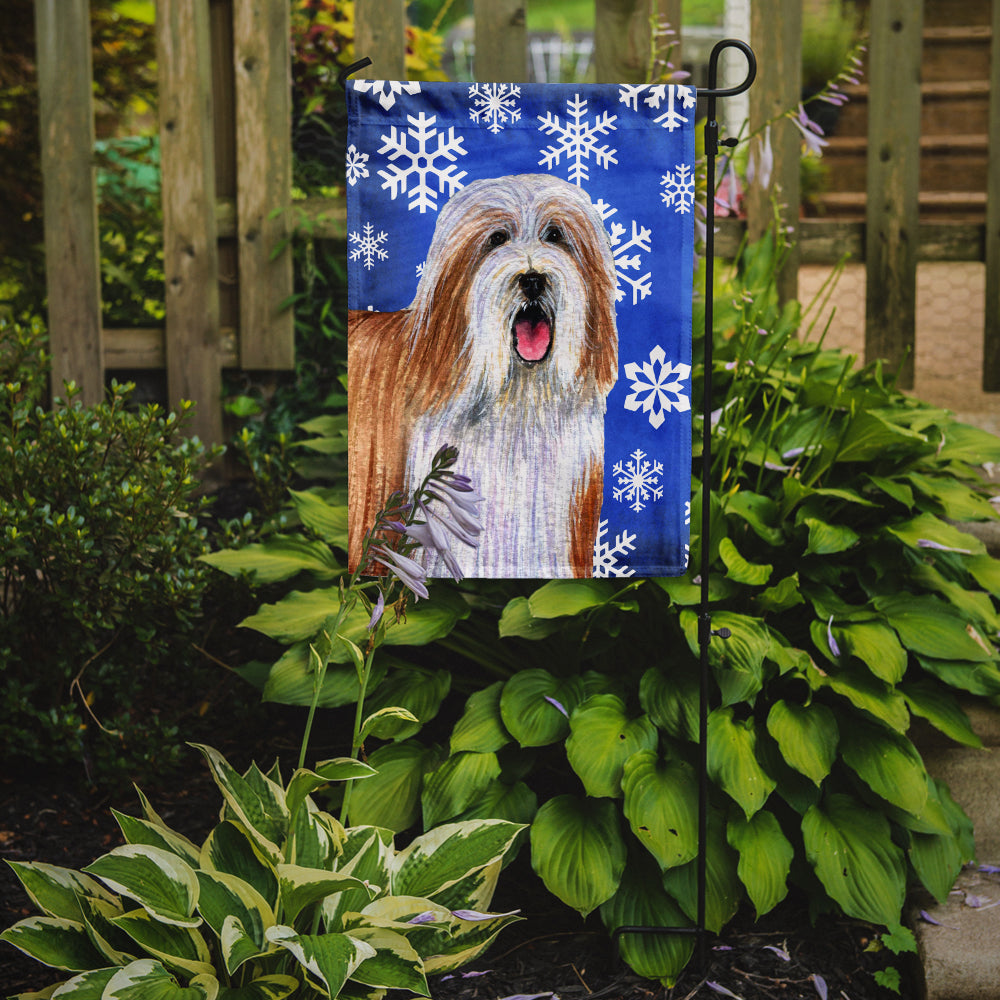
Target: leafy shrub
[99, 539]
[279, 899]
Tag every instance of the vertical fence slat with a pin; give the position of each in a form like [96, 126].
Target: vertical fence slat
[380, 34]
[991, 333]
[621, 40]
[261, 57]
[190, 254]
[501, 41]
[893, 183]
[776, 35]
[72, 257]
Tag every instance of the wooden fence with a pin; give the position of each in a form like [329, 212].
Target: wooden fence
[226, 161]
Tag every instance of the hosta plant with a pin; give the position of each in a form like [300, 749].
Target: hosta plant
[279, 900]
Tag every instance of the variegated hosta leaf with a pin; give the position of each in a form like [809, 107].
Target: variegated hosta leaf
[315, 838]
[56, 891]
[441, 857]
[807, 736]
[765, 858]
[395, 964]
[850, 847]
[661, 799]
[274, 987]
[230, 849]
[578, 851]
[481, 727]
[328, 959]
[86, 986]
[456, 784]
[475, 891]
[304, 782]
[116, 947]
[466, 941]
[147, 979]
[300, 887]
[177, 947]
[141, 831]
[54, 941]
[158, 880]
[732, 760]
[602, 737]
[367, 853]
[225, 897]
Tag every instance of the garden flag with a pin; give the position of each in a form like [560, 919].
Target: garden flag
[520, 268]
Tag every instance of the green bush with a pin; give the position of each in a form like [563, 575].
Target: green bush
[99, 541]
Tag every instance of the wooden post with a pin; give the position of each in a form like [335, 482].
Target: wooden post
[893, 183]
[190, 254]
[776, 35]
[72, 256]
[380, 34]
[262, 60]
[501, 41]
[622, 40]
[991, 333]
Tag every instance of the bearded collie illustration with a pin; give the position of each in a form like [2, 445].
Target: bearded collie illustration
[508, 351]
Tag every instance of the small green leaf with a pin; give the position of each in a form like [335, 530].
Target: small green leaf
[807, 736]
[325, 519]
[888, 763]
[941, 709]
[395, 964]
[828, 539]
[559, 598]
[517, 620]
[732, 760]
[928, 528]
[418, 690]
[384, 723]
[279, 558]
[932, 628]
[765, 858]
[738, 569]
[481, 727]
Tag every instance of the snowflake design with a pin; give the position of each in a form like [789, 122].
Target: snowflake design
[606, 553]
[626, 264]
[678, 188]
[493, 104]
[657, 387]
[368, 248]
[638, 480]
[577, 139]
[385, 90]
[423, 162]
[671, 119]
[357, 165]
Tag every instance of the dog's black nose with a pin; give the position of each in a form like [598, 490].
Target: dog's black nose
[532, 284]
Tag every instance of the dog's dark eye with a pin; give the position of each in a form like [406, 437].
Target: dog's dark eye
[553, 234]
[498, 238]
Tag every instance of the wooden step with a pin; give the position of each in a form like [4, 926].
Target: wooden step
[957, 206]
[940, 13]
[956, 53]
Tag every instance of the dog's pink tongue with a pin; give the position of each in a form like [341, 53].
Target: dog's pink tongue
[533, 336]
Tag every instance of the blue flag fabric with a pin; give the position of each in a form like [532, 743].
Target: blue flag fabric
[520, 277]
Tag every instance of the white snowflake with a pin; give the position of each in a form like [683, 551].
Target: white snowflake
[493, 104]
[368, 247]
[638, 480]
[671, 119]
[626, 264]
[357, 165]
[606, 554]
[423, 162]
[657, 386]
[678, 188]
[385, 90]
[577, 139]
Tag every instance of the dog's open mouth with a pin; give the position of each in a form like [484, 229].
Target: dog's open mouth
[532, 334]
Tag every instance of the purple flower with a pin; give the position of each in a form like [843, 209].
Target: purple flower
[927, 543]
[475, 915]
[409, 572]
[377, 611]
[820, 983]
[834, 648]
[811, 132]
[558, 705]
[761, 163]
[427, 917]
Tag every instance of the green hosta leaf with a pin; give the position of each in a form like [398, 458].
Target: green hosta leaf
[141, 831]
[456, 784]
[732, 760]
[828, 539]
[957, 501]
[558, 598]
[783, 595]
[965, 443]
[893, 488]
[738, 661]
[931, 628]
[325, 519]
[765, 858]
[937, 859]
[986, 571]
[976, 678]
[225, 897]
[683, 591]
[850, 847]
[465, 941]
[301, 887]
[159, 881]
[481, 728]
[641, 901]
[517, 620]
[671, 700]
[416, 689]
[56, 891]
[661, 799]
[807, 736]
[292, 680]
[527, 711]
[147, 979]
[330, 959]
[870, 436]
[865, 692]
[275, 987]
[928, 528]
[888, 763]
[54, 941]
[230, 849]
[391, 798]
[758, 511]
[602, 738]
[876, 646]
[723, 889]
[941, 709]
[279, 558]
[180, 948]
[395, 964]
[738, 569]
[515, 803]
[441, 857]
[976, 605]
[578, 851]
